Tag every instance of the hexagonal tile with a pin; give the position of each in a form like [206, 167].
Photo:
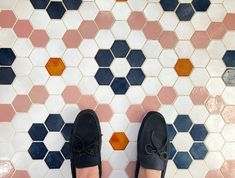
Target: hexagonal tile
[200, 39]
[182, 160]
[136, 20]
[66, 131]
[171, 131]
[104, 20]
[229, 21]
[151, 103]
[7, 56]
[104, 112]
[55, 66]
[119, 141]
[7, 19]
[183, 137]
[168, 39]
[54, 122]
[72, 39]
[199, 95]
[183, 67]
[185, 11]
[135, 113]
[167, 95]
[120, 48]
[171, 151]
[54, 160]
[19, 31]
[38, 94]
[38, 132]
[39, 38]
[183, 123]
[136, 58]
[198, 132]
[198, 151]
[216, 30]
[39, 4]
[7, 74]
[120, 67]
[228, 114]
[152, 30]
[201, 5]
[119, 85]
[88, 29]
[7, 112]
[22, 103]
[104, 58]
[104, 76]
[215, 104]
[54, 141]
[56, 10]
[228, 77]
[71, 94]
[130, 169]
[169, 5]
[87, 102]
[8, 168]
[37, 150]
[228, 58]
[135, 76]
[72, 4]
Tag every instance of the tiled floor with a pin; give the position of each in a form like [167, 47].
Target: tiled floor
[121, 58]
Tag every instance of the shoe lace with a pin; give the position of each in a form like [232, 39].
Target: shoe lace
[82, 148]
[152, 148]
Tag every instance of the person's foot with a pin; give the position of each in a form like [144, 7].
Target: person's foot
[152, 146]
[85, 144]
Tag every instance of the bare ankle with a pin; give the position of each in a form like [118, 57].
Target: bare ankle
[89, 172]
[149, 173]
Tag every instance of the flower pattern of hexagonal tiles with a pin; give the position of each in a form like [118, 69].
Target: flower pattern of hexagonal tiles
[121, 58]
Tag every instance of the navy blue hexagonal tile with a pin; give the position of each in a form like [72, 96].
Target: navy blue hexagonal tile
[66, 150]
[120, 48]
[135, 76]
[183, 123]
[37, 150]
[169, 5]
[104, 58]
[104, 76]
[39, 4]
[182, 160]
[7, 75]
[38, 132]
[185, 11]
[229, 77]
[229, 58]
[55, 10]
[171, 132]
[72, 4]
[198, 132]
[54, 160]
[119, 85]
[136, 58]
[54, 122]
[171, 151]
[7, 56]
[198, 151]
[201, 5]
[66, 131]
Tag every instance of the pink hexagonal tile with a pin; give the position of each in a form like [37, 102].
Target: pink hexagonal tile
[151, 103]
[72, 38]
[39, 38]
[104, 112]
[168, 39]
[135, 113]
[214, 174]
[106, 169]
[6, 169]
[20, 174]
[104, 20]
[38, 94]
[229, 21]
[136, 20]
[6, 112]
[167, 95]
[152, 30]
[7, 19]
[200, 39]
[229, 114]
[130, 169]
[199, 95]
[21, 103]
[216, 30]
[71, 95]
[215, 104]
[228, 169]
[87, 102]
[23, 28]
[88, 29]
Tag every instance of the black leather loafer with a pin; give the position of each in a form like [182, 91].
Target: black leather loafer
[152, 144]
[85, 142]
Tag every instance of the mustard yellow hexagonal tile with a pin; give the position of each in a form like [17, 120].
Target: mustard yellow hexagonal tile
[119, 141]
[183, 67]
[55, 66]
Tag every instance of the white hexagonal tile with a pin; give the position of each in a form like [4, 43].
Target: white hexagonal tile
[216, 12]
[169, 21]
[54, 141]
[72, 75]
[184, 30]
[136, 39]
[121, 7]
[106, 151]
[216, 68]
[229, 95]
[88, 48]
[6, 132]
[105, 5]
[171, 169]
[104, 94]
[169, 113]
[228, 151]
[132, 131]
[120, 29]
[21, 141]
[38, 173]
[199, 76]
[228, 132]
[151, 85]
[137, 5]
[131, 151]
[59, 26]
[54, 173]
[199, 114]
[39, 57]
[214, 142]
[39, 75]
[38, 113]
[7, 37]
[118, 160]
[55, 81]
[21, 160]
[152, 49]
[23, 9]
[151, 67]
[200, 58]
[106, 130]
[168, 58]
[198, 169]
[201, 21]
[183, 138]
[72, 19]
[215, 123]
[153, 11]
[40, 19]
[56, 47]
[216, 49]
[119, 122]
[118, 174]
[183, 86]
[88, 85]
[135, 94]
[70, 112]
[229, 5]
[54, 104]
[104, 39]
[6, 151]
[182, 173]
[22, 66]
[183, 104]
[7, 94]
[88, 10]
[21, 122]
[22, 47]
[22, 85]
[184, 49]
[120, 67]
[214, 160]
[168, 76]
[120, 104]
[215, 86]
[72, 57]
